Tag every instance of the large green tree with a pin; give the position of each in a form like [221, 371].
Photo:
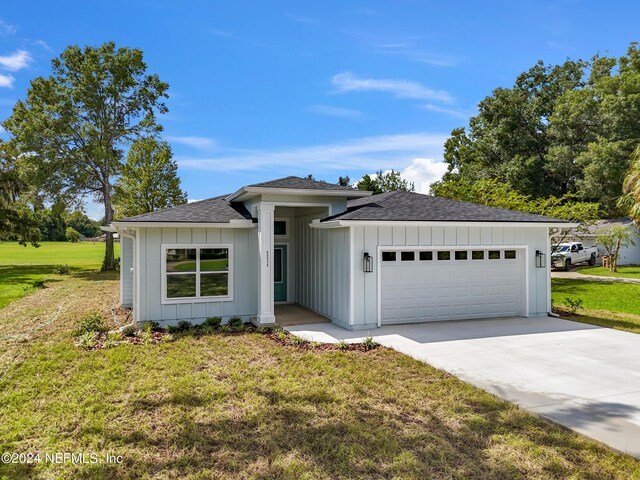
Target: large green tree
[564, 129]
[149, 180]
[17, 221]
[630, 201]
[73, 125]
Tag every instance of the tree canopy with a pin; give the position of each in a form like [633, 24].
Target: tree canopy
[381, 182]
[73, 126]
[148, 181]
[560, 129]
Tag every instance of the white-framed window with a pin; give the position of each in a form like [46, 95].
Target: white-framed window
[196, 273]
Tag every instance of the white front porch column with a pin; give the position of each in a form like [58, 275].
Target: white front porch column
[265, 245]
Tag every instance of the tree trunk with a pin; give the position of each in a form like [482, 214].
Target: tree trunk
[614, 263]
[109, 261]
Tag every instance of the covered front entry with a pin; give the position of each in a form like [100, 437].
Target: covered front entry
[421, 285]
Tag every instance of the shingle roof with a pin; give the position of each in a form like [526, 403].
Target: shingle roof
[300, 183]
[212, 210]
[408, 206]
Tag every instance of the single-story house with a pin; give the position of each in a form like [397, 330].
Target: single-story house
[360, 260]
[629, 255]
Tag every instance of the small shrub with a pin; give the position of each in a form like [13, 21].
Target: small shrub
[72, 235]
[573, 305]
[91, 322]
[369, 343]
[172, 329]
[235, 322]
[342, 345]
[149, 326]
[315, 344]
[296, 340]
[207, 329]
[62, 269]
[38, 284]
[214, 322]
[226, 329]
[281, 335]
[184, 326]
[129, 331]
[264, 330]
[113, 340]
[87, 340]
[146, 336]
[167, 337]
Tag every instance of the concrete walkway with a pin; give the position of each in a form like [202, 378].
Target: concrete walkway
[584, 377]
[593, 278]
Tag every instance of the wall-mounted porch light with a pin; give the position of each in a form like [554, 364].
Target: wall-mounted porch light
[367, 263]
[540, 263]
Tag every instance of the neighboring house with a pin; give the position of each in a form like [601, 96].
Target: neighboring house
[627, 256]
[360, 260]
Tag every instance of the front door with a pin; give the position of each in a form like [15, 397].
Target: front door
[280, 273]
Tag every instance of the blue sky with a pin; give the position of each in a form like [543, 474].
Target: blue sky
[264, 89]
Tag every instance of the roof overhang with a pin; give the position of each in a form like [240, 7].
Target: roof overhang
[245, 193]
[381, 223]
[232, 224]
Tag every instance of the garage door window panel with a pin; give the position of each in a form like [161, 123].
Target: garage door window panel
[443, 255]
[388, 256]
[408, 256]
[461, 255]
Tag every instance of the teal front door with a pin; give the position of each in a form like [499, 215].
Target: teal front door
[280, 273]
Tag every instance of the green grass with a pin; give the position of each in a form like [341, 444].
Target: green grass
[595, 295]
[243, 406]
[21, 266]
[625, 271]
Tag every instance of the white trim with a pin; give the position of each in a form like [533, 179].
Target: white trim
[469, 248]
[197, 299]
[253, 191]
[393, 223]
[327, 205]
[137, 301]
[133, 241]
[352, 305]
[232, 224]
[288, 245]
[286, 227]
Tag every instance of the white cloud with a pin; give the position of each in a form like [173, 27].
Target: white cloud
[453, 112]
[390, 151]
[43, 44]
[2, 130]
[16, 61]
[339, 112]
[409, 50]
[6, 81]
[348, 82]
[7, 28]
[200, 143]
[191, 200]
[423, 172]
[219, 33]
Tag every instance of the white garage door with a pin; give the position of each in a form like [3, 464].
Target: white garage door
[451, 284]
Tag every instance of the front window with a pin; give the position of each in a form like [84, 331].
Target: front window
[196, 272]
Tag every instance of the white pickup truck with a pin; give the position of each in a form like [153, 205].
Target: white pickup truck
[564, 255]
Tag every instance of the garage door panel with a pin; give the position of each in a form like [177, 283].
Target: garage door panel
[418, 291]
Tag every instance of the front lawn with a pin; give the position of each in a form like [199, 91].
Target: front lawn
[625, 271]
[607, 304]
[22, 267]
[244, 406]
[595, 295]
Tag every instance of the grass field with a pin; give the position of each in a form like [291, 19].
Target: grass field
[595, 295]
[607, 304]
[625, 271]
[243, 406]
[21, 266]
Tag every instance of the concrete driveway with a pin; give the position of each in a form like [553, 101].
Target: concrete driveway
[581, 376]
